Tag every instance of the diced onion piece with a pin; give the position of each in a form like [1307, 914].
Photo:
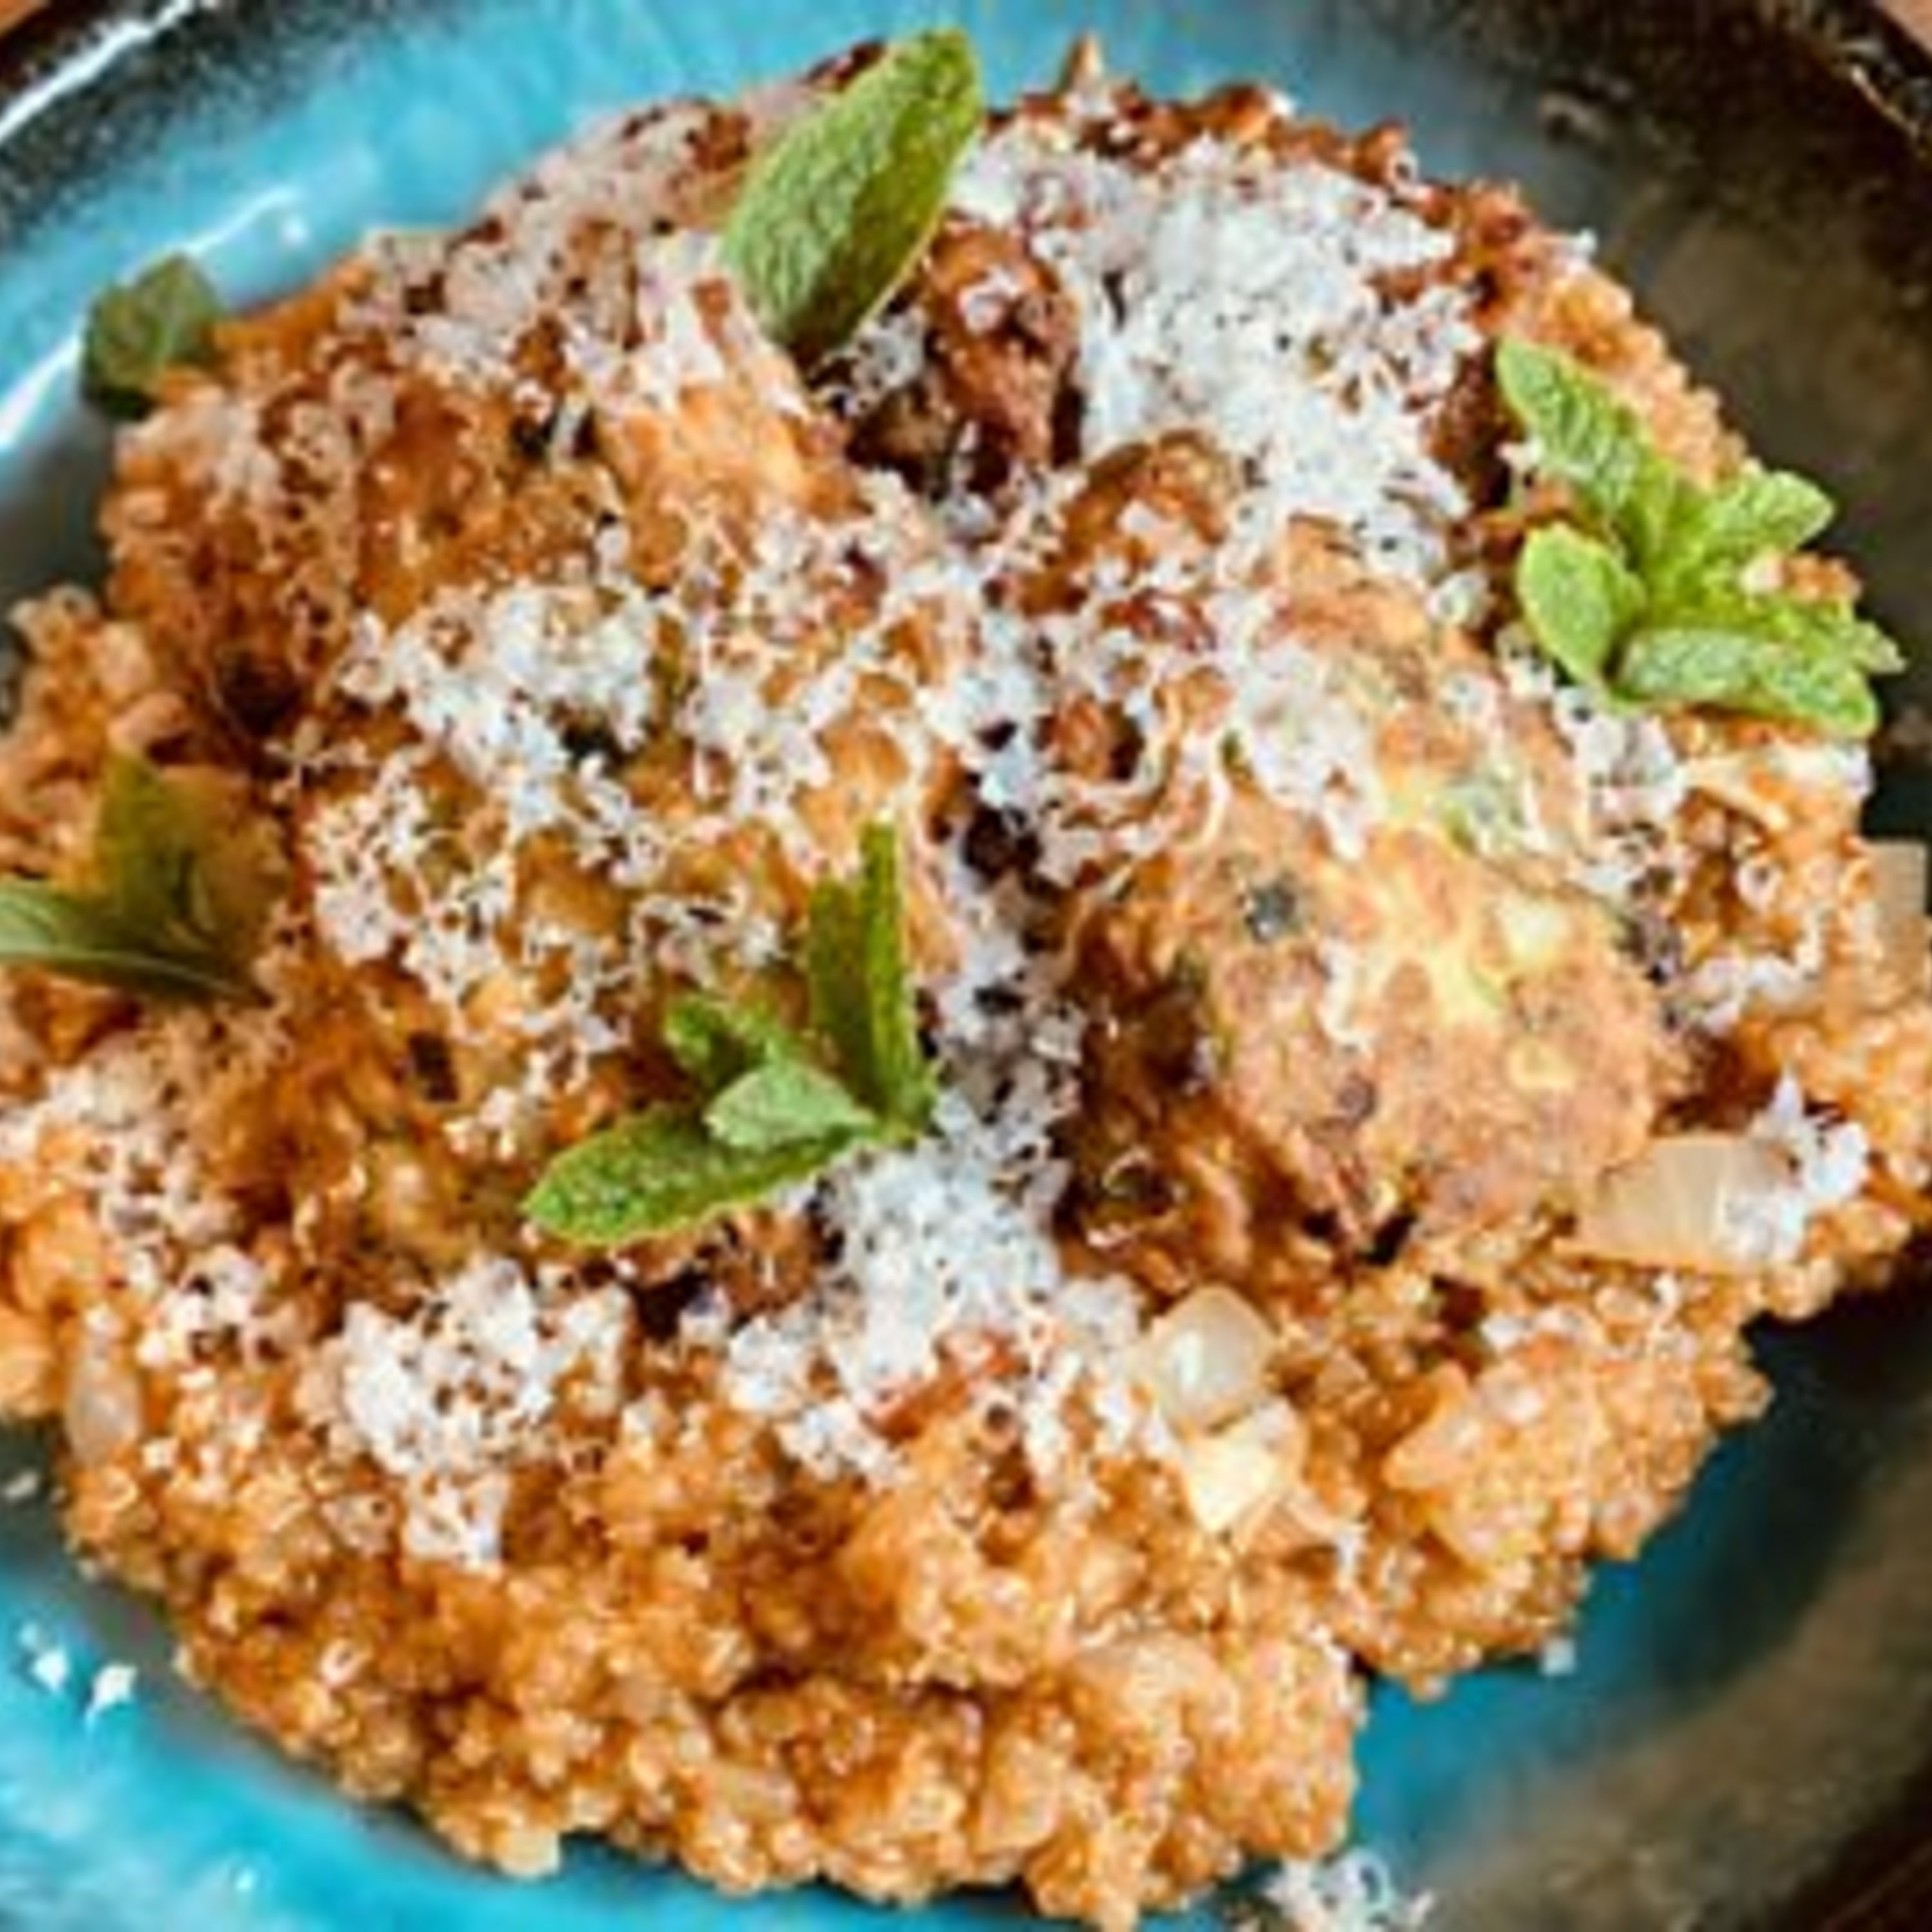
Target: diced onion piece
[1225, 1479]
[1440, 1448]
[1898, 885]
[1684, 1204]
[1539, 932]
[1206, 1360]
[102, 1410]
[1231, 1477]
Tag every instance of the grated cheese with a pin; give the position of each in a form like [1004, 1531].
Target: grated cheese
[1633, 781]
[1824, 1164]
[113, 1687]
[452, 1398]
[1558, 1657]
[1225, 292]
[494, 687]
[1311, 745]
[128, 1121]
[1718, 992]
[1353, 1892]
[1232, 295]
[940, 1245]
[46, 1661]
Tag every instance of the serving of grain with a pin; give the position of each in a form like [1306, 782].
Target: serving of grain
[1363, 1072]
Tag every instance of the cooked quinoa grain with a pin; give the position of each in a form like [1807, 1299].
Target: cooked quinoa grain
[1326, 999]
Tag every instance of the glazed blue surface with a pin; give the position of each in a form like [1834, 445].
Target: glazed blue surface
[1750, 1691]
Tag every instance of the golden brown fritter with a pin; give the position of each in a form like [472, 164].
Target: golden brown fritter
[1297, 1054]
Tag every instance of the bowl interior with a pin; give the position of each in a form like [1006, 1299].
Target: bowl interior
[1755, 1695]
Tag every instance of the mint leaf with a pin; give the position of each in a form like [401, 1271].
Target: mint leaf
[715, 1044]
[833, 217]
[1832, 629]
[1578, 598]
[1740, 671]
[82, 938]
[146, 857]
[140, 328]
[660, 1173]
[773, 1114]
[179, 893]
[1816, 624]
[835, 968]
[1757, 513]
[1646, 601]
[172, 858]
[784, 1103]
[860, 981]
[1584, 437]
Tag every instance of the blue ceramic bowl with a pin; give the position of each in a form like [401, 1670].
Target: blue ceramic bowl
[1750, 1715]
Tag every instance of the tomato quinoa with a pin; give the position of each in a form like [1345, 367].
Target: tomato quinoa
[1379, 1078]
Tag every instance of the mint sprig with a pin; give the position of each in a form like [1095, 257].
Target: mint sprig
[176, 897]
[833, 217]
[140, 328]
[1644, 596]
[714, 1043]
[656, 1173]
[1579, 599]
[860, 979]
[786, 1104]
[775, 1106]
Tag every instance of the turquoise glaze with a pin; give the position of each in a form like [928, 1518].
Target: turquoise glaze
[1758, 1687]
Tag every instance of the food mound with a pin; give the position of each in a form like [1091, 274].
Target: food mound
[871, 982]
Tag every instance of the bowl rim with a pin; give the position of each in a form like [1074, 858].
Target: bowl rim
[56, 55]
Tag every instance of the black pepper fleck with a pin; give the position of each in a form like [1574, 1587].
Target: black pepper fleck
[1272, 911]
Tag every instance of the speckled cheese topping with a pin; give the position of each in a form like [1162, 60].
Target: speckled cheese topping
[1234, 298]
[1221, 293]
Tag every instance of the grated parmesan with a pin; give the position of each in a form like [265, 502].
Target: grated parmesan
[452, 1398]
[1353, 1892]
[941, 1245]
[112, 1686]
[46, 1661]
[1824, 1166]
[1225, 292]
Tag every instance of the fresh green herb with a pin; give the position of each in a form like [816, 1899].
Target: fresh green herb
[174, 906]
[657, 1172]
[1732, 668]
[714, 1044]
[1645, 598]
[1585, 437]
[1579, 599]
[140, 328]
[833, 217]
[861, 990]
[786, 1103]
[775, 1106]
[1757, 513]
